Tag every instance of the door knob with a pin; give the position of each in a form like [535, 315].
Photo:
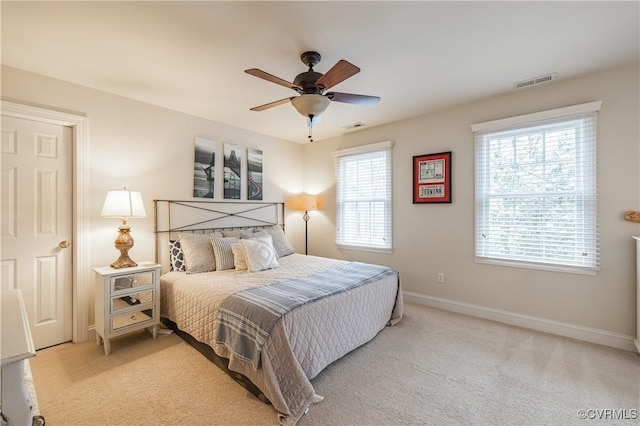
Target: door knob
[64, 244]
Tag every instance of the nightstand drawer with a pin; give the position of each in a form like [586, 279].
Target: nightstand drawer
[130, 318]
[129, 282]
[130, 300]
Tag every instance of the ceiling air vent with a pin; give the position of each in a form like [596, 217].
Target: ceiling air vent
[354, 125]
[535, 81]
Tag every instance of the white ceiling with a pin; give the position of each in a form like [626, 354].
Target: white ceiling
[417, 56]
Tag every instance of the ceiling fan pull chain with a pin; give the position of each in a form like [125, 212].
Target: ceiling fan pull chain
[310, 128]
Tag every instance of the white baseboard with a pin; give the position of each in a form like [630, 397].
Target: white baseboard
[593, 335]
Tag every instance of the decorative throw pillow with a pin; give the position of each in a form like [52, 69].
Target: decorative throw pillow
[259, 253]
[222, 252]
[232, 233]
[239, 260]
[280, 243]
[198, 253]
[176, 256]
[252, 234]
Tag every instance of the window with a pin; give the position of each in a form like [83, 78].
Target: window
[363, 197]
[536, 191]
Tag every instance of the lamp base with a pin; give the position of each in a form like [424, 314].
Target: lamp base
[123, 242]
[124, 261]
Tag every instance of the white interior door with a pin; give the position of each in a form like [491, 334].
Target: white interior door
[36, 224]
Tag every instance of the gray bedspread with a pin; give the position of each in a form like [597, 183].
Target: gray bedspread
[303, 341]
[246, 318]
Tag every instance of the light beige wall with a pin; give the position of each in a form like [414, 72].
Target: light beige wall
[440, 238]
[149, 149]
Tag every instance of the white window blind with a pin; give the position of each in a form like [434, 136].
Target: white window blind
[536, 190]
[363, 197]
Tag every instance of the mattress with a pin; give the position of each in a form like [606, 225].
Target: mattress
[302, 342]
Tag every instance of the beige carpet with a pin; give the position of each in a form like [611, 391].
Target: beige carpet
[434, 367]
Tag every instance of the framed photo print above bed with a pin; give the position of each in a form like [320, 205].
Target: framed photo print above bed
[254, 174]
[227, 171]
[232, 173]
[204, 170]
[432, 178]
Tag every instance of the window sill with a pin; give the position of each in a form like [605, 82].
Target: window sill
[362, 248]
[538, 266]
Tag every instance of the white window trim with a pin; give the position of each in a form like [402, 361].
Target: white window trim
[363, 248]
[362, 149]
[536, 116]
[538, 266]
[532, 119]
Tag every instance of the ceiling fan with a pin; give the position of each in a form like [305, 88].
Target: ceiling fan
[311, 86]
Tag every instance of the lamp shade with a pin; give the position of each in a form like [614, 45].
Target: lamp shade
[310, 104]
[123, 203]
[306, 202]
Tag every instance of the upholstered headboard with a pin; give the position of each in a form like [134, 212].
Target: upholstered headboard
[203, 216]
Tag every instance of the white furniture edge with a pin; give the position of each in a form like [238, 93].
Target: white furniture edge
[636, 341]
[17, 347]
[587, 334]
[16, 326]
[82, 273]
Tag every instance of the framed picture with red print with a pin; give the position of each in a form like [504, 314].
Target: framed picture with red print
[432, 178]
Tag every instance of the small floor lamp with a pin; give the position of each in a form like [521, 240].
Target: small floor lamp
[306, 203]
[123, 204]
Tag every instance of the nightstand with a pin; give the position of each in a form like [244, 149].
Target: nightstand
[126, 300]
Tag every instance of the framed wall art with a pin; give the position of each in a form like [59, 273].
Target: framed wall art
[432, 178]
[254, 174]
[204, 170]
[232, 171]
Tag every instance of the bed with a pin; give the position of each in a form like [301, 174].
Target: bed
[278, 323]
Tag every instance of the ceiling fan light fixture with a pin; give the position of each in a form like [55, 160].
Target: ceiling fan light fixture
[311, 105]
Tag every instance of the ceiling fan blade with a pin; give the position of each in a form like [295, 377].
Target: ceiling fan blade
[272, 104]
[350, 98]
[337, 74]
[272, 78]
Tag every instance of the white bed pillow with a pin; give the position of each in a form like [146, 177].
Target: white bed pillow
[245, 233]
[239, 259]
[198, 253]
[259, 253]
[231, 233]
[223, 253]
[253, 234]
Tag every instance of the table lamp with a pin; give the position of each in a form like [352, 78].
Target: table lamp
[123, 204]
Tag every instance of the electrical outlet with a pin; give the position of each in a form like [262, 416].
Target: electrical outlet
[441, 277]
